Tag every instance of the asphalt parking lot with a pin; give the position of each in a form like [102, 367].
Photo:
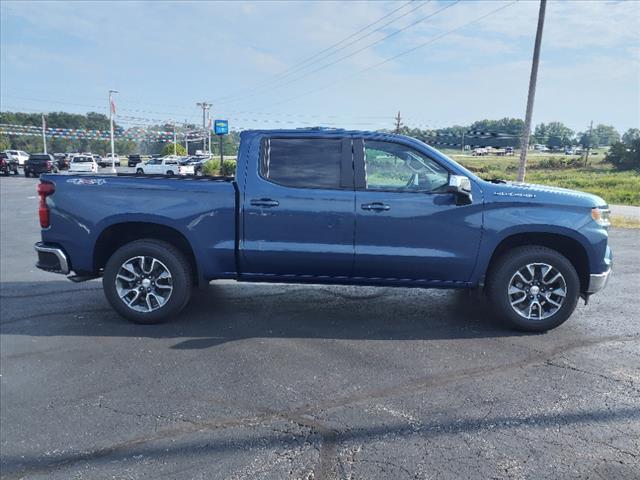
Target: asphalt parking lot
[312, 382]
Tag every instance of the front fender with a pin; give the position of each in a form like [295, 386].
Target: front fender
[502, 222]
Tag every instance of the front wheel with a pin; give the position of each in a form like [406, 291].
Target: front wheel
[26, 173]
[139, 171]
[533, 288]
[147, 281]
[170, 172]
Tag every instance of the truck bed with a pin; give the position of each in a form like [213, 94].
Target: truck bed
[88, 211]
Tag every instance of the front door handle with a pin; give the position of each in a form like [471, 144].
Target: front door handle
[264, 202]
[377, 206]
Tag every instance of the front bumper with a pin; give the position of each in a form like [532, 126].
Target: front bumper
[597, 281]
[52, 258]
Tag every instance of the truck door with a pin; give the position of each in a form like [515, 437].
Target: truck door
[298, 209]
[407, 226]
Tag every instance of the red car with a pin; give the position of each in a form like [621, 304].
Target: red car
[7, 165]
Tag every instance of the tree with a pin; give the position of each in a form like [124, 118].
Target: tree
[630, 135]
[554, 134]
[169, 149]
[624, 157]
[606, 134]
[5, 144]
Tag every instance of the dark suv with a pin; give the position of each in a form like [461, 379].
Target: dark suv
[40, 163]
[134, 160]
[8, 165]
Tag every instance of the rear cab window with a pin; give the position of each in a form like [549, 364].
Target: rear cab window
[318, 163]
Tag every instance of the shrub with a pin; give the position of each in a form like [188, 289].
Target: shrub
[212, 167]
[624, 157]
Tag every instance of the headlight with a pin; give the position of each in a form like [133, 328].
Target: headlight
[601, 216]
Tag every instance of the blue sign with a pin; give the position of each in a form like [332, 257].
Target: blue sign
[221, 127]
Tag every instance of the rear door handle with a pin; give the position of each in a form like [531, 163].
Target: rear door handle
[264, 202]
[377, 206]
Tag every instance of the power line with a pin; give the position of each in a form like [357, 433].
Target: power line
[345, 57]
[389, 59]
[305, 63]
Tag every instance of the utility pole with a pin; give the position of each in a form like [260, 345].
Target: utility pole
[524, 146]
[175, 143]
[44, 135]
[398, 123]
[462, 145]
[112, 111]
[586, 157]
[205, 107]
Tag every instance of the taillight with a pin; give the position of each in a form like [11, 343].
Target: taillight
[49, 164]
[44, 190]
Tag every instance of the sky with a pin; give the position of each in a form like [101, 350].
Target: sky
[297, 64]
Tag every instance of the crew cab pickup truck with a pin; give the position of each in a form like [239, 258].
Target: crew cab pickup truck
[328, 207]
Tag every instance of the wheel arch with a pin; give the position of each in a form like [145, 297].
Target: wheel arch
[567, 246]
[118, 234]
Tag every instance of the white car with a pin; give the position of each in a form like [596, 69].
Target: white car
[83, 164]
[17, 155]
[164, 166]
[107, 161]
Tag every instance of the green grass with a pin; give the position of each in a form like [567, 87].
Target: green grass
[597, 177]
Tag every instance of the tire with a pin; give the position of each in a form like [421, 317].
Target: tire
[170, 172]
[539, 314]
[26, 173]
[139, 171]
[169, 259]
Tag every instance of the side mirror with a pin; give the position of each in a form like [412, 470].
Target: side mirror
[461, 187]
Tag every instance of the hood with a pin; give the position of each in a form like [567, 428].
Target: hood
[533, 193]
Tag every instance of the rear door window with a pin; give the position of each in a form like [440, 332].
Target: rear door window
[302, 162]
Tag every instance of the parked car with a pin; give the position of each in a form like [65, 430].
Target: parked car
[62, 160]
[133, 160]
[332, 207]
[198, 163]
[39, 163]
[8, 165]
[107, 161]
[84, 164]
[160, 166]
[185, 167]
[18, 155]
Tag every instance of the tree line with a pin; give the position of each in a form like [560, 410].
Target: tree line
[507, 132]
[98, 121]
[504, 132]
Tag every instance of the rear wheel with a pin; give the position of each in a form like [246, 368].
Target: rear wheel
[139, 171]
[26, 173]
[170, 172]
[533, 288]
[147, 281]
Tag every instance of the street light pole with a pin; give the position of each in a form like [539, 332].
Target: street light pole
[205, 106]
[112, 111]
[44, 135]
[175, 144]
[524, 146]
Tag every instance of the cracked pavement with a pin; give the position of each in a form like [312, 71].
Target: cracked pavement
[309, 382]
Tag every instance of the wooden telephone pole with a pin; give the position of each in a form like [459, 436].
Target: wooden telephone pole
[524, 146]
[398, 122]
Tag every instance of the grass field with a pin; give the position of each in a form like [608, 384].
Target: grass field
[559, 170]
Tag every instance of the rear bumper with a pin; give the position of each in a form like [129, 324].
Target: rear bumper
[51, 258]
[598, 281]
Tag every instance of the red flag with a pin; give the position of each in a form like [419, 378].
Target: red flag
[113, 107]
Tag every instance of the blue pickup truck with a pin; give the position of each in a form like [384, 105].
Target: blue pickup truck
[328, 206]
